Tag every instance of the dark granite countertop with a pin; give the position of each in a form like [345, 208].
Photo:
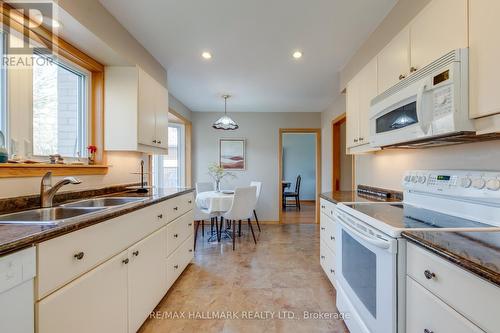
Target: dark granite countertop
[352, 196]
[477, 252]
[14, 237]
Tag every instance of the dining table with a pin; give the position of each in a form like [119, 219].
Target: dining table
[216, 202]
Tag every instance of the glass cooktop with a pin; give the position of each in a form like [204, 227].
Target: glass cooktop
[402, 216]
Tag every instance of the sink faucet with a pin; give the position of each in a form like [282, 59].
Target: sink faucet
[47, 191]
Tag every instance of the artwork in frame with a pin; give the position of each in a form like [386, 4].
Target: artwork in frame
[232, 154]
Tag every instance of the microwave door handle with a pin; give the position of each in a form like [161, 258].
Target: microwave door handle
[377, 242]
[424, 125]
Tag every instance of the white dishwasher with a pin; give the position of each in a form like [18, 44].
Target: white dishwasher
[17, 271]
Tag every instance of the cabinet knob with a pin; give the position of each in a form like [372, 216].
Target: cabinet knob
[136, 253]
[190, 250]
[332, 271]
[413, 69]
[159, 142]
[190, 201]
[125, 261]
[176, 208]
[190, 224]
[402, 76]
[426, 330]
[361, 139]
[154, 141]
[176, 235]
[322, 257]
[429, 275]
[160, 216]
[79, 256]
[176, 266]
[322, 206]
[322, 228]
[332, 238]
[355, 140]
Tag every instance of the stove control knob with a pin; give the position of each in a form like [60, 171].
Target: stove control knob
[466, 182]
[478, 183]
[414, 179]
[422, 179]
[407, 178]
[493, 185]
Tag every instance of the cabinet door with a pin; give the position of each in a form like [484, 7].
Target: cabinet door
[367, 91]
[147, 100]
[394, 61]
[95, 302]
[162, 118]
[438, 29]
[483, 57]
[352, 105]
[147, 277]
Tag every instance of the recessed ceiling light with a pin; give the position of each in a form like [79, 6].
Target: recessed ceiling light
[206, 55]
[297, 54]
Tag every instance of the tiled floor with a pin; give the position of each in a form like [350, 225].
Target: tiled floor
[306, 214]
[280, 275]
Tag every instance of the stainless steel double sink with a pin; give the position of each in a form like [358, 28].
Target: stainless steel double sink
[66, 212]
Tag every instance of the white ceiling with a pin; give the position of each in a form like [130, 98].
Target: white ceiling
[251, 42]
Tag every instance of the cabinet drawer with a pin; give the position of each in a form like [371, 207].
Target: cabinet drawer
[473, 297]
[327, 207]
[327, 261]
[178, 260]
[427, 313]
[64, 258]
[178, 231]
[327, 231]
[177, 206]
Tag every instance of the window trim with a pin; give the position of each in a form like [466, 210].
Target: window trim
[158, 160]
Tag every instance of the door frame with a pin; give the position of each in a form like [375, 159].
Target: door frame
[336, 158]
[316, 131]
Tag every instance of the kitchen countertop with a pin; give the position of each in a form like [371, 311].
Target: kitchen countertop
[477, 252]
[15, 237]
[352, 196]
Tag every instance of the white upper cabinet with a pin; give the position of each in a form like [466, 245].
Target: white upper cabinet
[438, 29]
[360, 91]
[483, 57]
[394, 61]
[136, 111]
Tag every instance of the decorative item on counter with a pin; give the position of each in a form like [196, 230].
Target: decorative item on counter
[142, 188]
[92, 154]
[4, 154]
[56, 159]
[217, 173]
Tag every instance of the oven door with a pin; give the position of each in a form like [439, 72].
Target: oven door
[366, 276]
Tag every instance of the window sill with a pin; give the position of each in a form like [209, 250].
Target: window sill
[11, 170]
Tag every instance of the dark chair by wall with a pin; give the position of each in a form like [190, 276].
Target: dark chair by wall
[295, 194]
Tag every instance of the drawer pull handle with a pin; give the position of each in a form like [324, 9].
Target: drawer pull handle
[323, 207]
[79, 256]
[176, 208]
[176, 235]
[322, 257]
[159, 142]
[190, 250]
[190, 224]
[190, 201]
[332, 238]
[176, 266]
[323, 228]
[402, 76]
[125, 261]
[332, 271]
[428, 331]
[429, 275]
[160, 216]
[136, 253]
[154, 141]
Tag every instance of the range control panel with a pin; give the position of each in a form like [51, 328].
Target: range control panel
[456, 182]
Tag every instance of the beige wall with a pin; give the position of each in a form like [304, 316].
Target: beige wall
[261, 131]
[179, 107]
[402, 13]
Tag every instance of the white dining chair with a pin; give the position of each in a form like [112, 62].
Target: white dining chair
[258, 185]
[200, 216]
[204, 187]
[244, 201]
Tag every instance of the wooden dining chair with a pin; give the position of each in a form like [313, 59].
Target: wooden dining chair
[293, 194]
[258, 185]
[241, 209]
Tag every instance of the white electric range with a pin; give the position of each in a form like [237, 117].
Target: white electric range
[371, 254]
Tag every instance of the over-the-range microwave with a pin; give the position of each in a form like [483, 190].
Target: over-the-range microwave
[431, 103]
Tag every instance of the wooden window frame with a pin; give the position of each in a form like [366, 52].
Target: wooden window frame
[14, 20]
[336, 156]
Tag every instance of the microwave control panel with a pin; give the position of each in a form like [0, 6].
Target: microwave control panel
[442, 101]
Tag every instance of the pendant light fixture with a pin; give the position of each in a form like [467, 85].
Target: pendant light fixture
[225, 122]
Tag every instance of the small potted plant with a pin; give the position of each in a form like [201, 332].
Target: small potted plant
[217, 173]
[92, 154]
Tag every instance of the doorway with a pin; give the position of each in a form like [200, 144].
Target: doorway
[342, 163]
[299, 175]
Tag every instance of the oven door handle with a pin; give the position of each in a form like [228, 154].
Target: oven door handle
[377, 242]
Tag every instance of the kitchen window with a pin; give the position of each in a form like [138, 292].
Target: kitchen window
[3, 90]
[169, 170]
[60, 108]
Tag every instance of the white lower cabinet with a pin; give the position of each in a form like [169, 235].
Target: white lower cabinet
[327, 239]
[116, 295]
[147, 276]
[95, 302]
[427, 313]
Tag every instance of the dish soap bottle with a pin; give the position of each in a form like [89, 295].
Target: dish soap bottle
[4, 154]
